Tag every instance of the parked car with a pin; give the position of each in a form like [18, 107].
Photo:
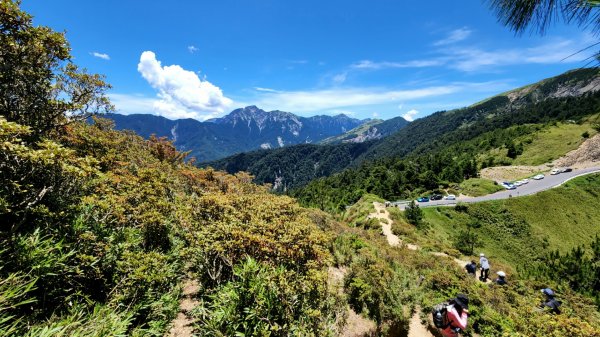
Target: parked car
[436, 197]
[538, 177]
[525, 181]
[423, 199]
[518, 183]
[508, 185]
[555, 171]
[566, 169]
[450, 197]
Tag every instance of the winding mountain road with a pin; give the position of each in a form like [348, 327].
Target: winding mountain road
[533, 187]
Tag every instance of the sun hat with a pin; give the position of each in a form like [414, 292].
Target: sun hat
[462, 300]
[548, 291]
[501, 274]
[482, 254]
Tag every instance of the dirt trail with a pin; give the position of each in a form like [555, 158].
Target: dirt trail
[182, 324]
[356, 325]
[382, 213]
[416, 328]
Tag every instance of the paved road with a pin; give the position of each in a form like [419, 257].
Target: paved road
[533, 187]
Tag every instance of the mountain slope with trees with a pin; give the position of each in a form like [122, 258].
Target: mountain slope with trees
[492, 123]
[371, 130]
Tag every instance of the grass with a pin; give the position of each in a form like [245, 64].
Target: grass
[552, 143]
[568, 215]
[514, 229]
[549, 143]
[476, 187]
[356, 215]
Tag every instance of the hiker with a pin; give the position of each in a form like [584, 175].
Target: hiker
[457, 313]
[501, 280]
[485, 267]
[471, 268]
[550, 301]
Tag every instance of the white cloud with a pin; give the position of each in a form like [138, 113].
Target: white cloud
[469, 59]
[132, 104]
[472, 59]
[342, 98]
[339, 78]
[410, 115]
[181, 93]
[370, 65]
[454, 36]
[265, 89]
[101, 55]
[192, 49]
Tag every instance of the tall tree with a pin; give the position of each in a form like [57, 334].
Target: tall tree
[39, 85]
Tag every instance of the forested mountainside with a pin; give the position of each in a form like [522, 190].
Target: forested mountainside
[568, 96]
[244, 129]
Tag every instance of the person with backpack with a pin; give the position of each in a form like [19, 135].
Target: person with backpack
[451, 317]
[550, 301]
[471, 268]
[485, 267]
[501, 280]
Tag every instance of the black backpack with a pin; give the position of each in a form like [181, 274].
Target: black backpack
[440, 315]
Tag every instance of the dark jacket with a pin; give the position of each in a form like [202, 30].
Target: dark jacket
[501, 281]
[553, 304]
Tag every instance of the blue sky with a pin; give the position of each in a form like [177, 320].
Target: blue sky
[202, 59]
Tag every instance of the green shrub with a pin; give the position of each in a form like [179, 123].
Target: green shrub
[263, 300]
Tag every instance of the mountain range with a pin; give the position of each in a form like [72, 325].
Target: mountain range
[243, 129]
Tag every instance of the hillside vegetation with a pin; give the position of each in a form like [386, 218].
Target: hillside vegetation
[100, 227]
[518, 230]
[381, 279]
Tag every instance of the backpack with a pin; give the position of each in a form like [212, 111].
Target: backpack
[440, 315]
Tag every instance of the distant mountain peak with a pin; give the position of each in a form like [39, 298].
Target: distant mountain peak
[243, 129]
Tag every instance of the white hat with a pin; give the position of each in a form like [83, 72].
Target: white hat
[482, 255]
[501, 274]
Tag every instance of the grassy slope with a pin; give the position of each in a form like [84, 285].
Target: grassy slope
[566, 216]
[476, 187]
[549, 143]
[356, 215]
[554, 142]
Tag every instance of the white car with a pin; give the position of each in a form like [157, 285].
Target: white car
[538, 177]
[450, 197]
[508, 185]
[525, 181]
[555, 171]
[518, 183]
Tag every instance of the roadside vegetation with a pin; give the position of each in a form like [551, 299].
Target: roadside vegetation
[476, 187]
[518, 230]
